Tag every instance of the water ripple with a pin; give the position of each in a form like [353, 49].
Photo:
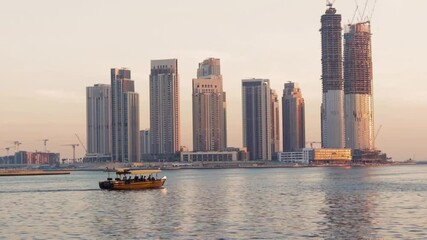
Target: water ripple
[313, 203]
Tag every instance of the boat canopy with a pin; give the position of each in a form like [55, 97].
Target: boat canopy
[136, 172]
[144, 172]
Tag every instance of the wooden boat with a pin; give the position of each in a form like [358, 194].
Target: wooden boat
[127, 179]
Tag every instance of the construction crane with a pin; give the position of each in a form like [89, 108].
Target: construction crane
[311, 143]
[378, 131]
[6, 158]
[363, 14]
[74, 150]
[373, 10]
[45, 144]
[17, 143]
[7, 150]
[84, 147]
[329, 3]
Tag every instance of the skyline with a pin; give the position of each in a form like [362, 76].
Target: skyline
[285, 51]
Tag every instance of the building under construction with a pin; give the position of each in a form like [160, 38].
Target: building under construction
[358, 94]
[30, 158]
[358, 105]
[332, 109]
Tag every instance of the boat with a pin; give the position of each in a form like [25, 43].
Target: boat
[127, 179]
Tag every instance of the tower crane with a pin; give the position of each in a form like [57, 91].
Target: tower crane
[7, 150]
[17, 143]
[84, 147]
[329, 3]
[45, 144]
[5, 158]
[373, 10]
[378, 131]
[74, 150]
[363, 14]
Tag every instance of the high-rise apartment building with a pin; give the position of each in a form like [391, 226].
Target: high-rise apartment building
[332, 108]
[165, 133]
[359, 109]
[125, 117]
[256, 100]
[210, 66]
[293, 112]
[98, 119]
[209, 108]
[275, 123]
[144, 140]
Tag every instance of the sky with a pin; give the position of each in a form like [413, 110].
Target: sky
[52, 50]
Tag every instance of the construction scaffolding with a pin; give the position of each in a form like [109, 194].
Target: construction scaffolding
[332, 64]
[358, 59]
[358, 95]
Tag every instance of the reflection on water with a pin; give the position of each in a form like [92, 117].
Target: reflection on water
[349, 211]
[319, 203]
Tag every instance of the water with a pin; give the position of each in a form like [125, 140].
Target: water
[318, 203]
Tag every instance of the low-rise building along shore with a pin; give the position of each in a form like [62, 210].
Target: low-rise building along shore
[230, 155]
[316, 156]
[31, 158]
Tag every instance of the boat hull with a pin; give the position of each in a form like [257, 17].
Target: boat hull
[124, 185]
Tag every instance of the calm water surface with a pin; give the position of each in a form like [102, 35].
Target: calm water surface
[318, 203]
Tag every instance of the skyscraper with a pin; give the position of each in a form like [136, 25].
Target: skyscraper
[210, 66]
[209, 108]
[359, 109]
[165, 133]
[293, 112]
[125, 117]
[332, 109]
[275, 123]
[256, 99]
[98, 119]
[144, 140]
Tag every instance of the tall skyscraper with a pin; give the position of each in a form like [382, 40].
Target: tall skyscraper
[209, 108]
[275, 123]
[98, 119]
[256, 99]
[359, 109]
[293, 112]
[332, 109]
[125, 117]
[145, 145]
[210, 66]
[165, 132]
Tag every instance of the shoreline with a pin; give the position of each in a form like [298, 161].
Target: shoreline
[8, 173]
[207, 166]
[61, 170]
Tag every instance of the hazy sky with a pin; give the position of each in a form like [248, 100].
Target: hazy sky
[51, 50]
